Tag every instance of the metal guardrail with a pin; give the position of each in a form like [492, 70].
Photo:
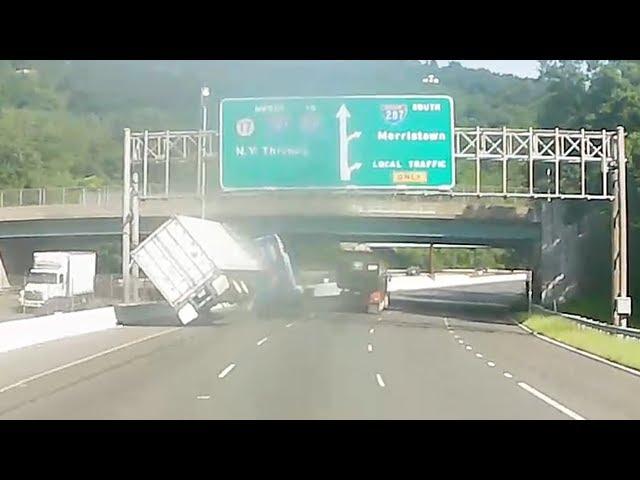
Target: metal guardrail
[47, 196]
[596, 325]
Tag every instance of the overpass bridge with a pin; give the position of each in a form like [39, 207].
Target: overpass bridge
[383, 217]
[86, 218]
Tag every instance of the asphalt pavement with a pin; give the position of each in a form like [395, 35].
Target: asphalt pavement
[423, 359]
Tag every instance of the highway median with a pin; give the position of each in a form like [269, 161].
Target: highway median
[616, 348]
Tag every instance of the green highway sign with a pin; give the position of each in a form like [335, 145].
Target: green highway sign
[357, 142]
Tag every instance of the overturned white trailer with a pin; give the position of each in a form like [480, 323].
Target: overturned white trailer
[197, 264]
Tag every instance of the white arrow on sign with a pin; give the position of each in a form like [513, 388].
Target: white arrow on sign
[343, 116]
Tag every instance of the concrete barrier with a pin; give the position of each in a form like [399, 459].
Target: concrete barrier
[161, 314]
[444, 280]
[329, 289]
[17, 334]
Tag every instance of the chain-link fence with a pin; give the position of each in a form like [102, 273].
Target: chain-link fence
[30, 197]
[108, 291]
[110, 287]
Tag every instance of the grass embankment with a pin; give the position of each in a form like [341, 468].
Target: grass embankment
[611, 347]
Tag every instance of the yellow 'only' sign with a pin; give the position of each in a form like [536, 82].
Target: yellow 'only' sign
[409, 177]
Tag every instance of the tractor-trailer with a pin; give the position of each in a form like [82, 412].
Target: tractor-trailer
[196, 264]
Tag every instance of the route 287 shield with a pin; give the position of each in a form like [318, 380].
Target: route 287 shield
[394, 114]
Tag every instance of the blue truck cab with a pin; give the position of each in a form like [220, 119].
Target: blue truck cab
[278, 290]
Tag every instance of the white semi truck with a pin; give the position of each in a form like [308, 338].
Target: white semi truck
[59, 275]
[197, 265]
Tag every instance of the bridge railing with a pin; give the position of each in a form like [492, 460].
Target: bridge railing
[110, 198]
[48, 196]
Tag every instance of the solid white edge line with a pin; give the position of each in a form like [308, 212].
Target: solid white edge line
[550, 401]
[260, 342]
[224, 372]
[379, 379]
[584, 353]
[86, 359]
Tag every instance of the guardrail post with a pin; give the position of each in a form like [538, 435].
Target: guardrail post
[64, 190]
[20, 198]
[1, 199]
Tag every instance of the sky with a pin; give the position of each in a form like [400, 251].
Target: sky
[520, 68]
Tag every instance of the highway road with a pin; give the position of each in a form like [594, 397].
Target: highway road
[420, 360]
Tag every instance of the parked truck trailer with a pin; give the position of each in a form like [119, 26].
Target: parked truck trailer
[59, 275]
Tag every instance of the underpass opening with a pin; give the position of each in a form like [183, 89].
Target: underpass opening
[449, 279]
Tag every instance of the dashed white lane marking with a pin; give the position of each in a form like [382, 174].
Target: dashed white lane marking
[508, 375]
[85, 359]
[479, 355]
[203, 397]
[288, 324]
[550, 401]
[379, 379]
[370, 348]
[224, 372]
[260, 342]
[468, 347]
[491, 364]
[456, 336]
[452, 331]
[371, 330]
[460, 341]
